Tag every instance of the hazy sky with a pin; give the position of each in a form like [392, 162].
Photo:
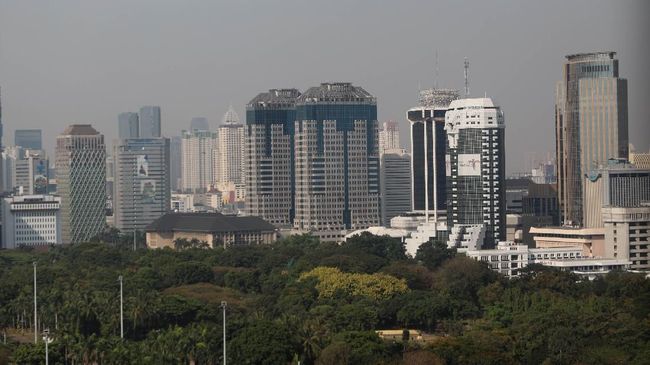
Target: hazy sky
[84, 61]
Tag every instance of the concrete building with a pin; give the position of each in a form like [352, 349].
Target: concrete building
[627, 232]
[31, 220]
[270, 165]
[616, 184]
[28, 138]
[81, 182]
[428, 146]
[216, 229]
[389, 137]
[640, 159]
[336, 161]
[175, 162]
[592, 240]
[476, 171]
[182, 203]
[591, 124]
[149, 122]
[230, 146]
[197, 160]
[142, 183]
[31, 174]
[395, 180]
[128, 125]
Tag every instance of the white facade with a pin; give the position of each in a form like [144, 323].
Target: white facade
[627, 235]
[31, 220]
[230, 146]
[388, 137]
[182, 203]
[197, 149]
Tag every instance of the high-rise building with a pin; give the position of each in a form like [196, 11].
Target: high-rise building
[616, 184]
[128, 125]
[270, 118]
[229, 161]
[476, 171]
[199, 123]
[395, 184]
[428, 143]
[31, 220]
[388, 137]
[175, 162]
[2, 168]
[142, 182]
[336, 160]
[627, 234]
[28, 138]
[149, 120]
[640, 159]
[197, 148]
[10, 157]
[81, 182]
[31, 175]
[591, 124]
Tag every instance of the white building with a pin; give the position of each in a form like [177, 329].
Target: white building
[229, 162]
[182, 203]
[388, 137]
[476, 168]
[31, 220]
[197, 149]
[627, 234]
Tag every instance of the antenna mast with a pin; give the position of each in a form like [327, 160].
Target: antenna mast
[435, 81]
[466, 77]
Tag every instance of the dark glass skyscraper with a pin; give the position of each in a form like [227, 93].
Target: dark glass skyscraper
[28, 138]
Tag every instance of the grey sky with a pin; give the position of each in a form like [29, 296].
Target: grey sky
[86, 61]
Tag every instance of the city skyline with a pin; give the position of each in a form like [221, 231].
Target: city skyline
[203, 85]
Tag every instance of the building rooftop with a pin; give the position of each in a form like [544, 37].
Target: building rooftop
[207, 222]
[438, 98]
[472, 103]
[80, 130]
[275, 98]
[591, 56]
[336, 92]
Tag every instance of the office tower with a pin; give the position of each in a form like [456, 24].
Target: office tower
[81, 182]
[627, 234]
[28, 138]
[2, 168]
[395, 184]
[229, 164]
[590, 124]
[149, 120]
[128, 125]
[31, 175]
[476, 173]
[269, 133]
[336, 160]
[31, 220]
[10, 157]
[199, 123]
[175, 158]
[142, 182]
[388, 137]
[428, 149]
[197, 156]
[616, 184]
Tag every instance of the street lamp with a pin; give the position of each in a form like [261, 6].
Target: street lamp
[121, 308]
[223, 306]
[35, 313]
[47, 340]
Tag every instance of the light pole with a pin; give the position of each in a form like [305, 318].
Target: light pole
[121, 308]
[35, 313]
[223, 306]
[47, 340]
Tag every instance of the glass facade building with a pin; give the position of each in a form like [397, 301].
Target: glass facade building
[28, 138]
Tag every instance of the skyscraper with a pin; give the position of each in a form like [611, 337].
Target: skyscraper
[229, 164]
[81, 182]
[388, 137]
[128, 125]
[270, 118]
[175, 162]
[395, 184]
[336, 160]
[199, 123]
[31, 174]
[142, 182]
[590, 124]
[28, 138]
[149, 122]
[428, 149]
[2, 168]
[197, 149]
[476, 173]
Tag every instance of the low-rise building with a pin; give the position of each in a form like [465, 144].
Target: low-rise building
[627, 232]
[592, 240]
[215, 229]
[31, 220]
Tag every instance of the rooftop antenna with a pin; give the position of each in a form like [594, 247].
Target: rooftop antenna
[435, 81]
[466, 77]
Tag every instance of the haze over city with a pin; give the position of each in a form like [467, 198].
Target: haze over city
[69, 62]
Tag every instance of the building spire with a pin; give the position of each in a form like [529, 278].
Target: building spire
[466, 77]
